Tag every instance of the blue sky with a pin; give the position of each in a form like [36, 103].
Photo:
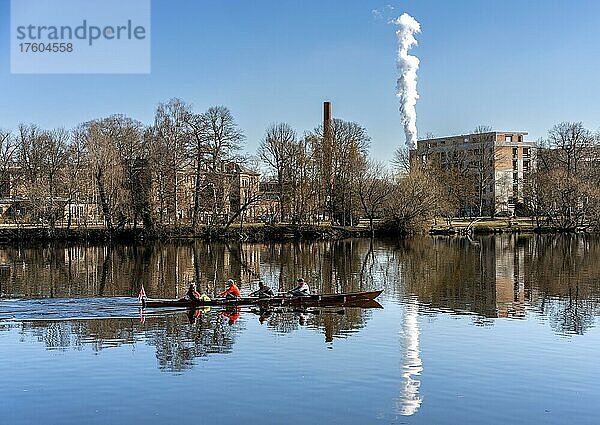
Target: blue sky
[515, 65]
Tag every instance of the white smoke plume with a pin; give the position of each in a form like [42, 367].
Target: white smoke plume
[406, 87]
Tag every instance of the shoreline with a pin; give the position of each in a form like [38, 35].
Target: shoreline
[250, 233]
[265, 233]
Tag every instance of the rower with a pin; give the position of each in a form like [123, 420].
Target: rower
[263, 291]
[232, 291]
[232, 314]
[196, 296]
[301, 290]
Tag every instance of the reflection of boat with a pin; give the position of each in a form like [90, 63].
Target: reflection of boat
[354, 299]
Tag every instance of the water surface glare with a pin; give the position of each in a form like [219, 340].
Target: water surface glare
[494, 330]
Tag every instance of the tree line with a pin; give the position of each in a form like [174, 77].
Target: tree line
[145, 174]
[136, 173]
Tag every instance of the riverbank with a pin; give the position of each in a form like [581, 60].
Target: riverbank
[249, 233]
[260, 232]
[488, 226]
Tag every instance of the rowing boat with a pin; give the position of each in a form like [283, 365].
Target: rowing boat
[348, 299]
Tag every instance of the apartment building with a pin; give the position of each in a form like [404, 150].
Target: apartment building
[497, 164]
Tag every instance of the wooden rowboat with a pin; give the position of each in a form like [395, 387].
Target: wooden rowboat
[348, 299]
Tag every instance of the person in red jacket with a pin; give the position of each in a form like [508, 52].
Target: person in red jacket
[232, 315]
[232, 291]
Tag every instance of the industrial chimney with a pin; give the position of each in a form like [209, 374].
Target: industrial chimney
[328, 157]
[326, 113]
[327, 121]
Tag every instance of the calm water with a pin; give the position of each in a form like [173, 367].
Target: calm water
[492, 330]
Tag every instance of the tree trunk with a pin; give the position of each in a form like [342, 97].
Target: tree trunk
[104, 201]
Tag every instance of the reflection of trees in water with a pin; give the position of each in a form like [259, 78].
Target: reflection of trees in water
[328, 266]
[497, 276]
[490, 276]
[75, 334]
[178, 345]
[176, 341]
[333, 322]
[566, 280]
[165, 269]
[450, 273]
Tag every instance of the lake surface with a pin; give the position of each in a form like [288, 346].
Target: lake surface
[494, 330]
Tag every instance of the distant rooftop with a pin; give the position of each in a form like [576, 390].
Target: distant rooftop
[475, 134]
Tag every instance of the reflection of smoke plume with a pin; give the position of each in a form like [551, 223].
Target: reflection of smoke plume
[406, 87]
[409, 401]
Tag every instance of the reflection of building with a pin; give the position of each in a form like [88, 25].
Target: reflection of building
[484, 276]
[509, 274]
[497, 163]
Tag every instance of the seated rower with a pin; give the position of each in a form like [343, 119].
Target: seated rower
[263, 291]
[232, 291]
[232, 315]
[301, 290]
[196, 296]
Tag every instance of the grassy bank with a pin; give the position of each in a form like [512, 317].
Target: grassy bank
[486, 225]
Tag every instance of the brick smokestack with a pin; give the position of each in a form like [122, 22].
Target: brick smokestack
[328, 157]
[327, 114]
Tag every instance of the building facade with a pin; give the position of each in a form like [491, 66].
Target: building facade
[233, 187]
[496, 163]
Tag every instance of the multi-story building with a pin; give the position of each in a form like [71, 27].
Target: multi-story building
[497, 163]
[226, 191]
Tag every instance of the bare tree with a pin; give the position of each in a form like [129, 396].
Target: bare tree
[562, 190]
[42, 156]
[401, 161]
[340, 151]
[99, 139]
[373, 189]
[76, 181]
[223, 140]
[571, 143]
[223, 136]
[134, 157]
[277, 150]
[7, 158]
[171, 139]
[411, 202]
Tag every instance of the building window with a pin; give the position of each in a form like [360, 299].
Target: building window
[515, 177]
[515, 164]
[525, 166]
[508, 139]
[526, 152]
[515, 152]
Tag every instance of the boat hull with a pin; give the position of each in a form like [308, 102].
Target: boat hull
[308, 300]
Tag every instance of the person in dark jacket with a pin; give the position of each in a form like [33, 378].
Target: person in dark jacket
[194, 295]
[263, 291]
